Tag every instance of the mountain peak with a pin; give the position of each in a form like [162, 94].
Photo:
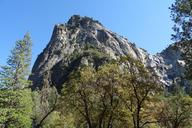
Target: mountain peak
[74, 43]
[83, 21]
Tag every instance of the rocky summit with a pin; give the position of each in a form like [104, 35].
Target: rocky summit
[83, 41]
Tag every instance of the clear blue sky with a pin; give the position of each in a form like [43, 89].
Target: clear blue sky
[145, 22]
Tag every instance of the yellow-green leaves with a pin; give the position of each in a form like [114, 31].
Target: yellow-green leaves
[176, 111]
[117, 94]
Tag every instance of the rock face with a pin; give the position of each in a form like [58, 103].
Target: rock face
[83, 41]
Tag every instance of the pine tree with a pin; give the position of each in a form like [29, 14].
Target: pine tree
[15, 74]
[15, 97]
[182, 16]
[181, 13]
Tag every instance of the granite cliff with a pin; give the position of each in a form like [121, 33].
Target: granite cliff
[83, 41]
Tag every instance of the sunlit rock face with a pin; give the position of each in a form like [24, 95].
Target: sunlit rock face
[63, 55]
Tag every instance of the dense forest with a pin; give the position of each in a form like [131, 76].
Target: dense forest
[120, 93]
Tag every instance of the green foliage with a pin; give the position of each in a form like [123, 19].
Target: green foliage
[15, 108]
[111, 96]
[45, 102]
[15, 74]
[94, 52]
[15, 99]
[56, 120]
[139, 93]
[176, 111]
[89, 51]
[181, 13]
[92, 96]
[187, 57]
[119, 94]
